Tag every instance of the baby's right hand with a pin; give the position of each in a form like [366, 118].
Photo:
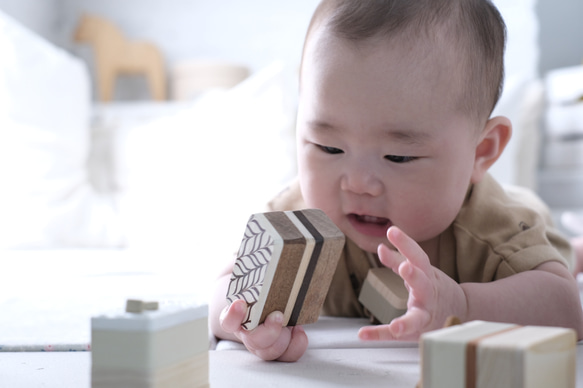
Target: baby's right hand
[268, 341]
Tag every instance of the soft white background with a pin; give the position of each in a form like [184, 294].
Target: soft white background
[200, 28]
[255, 33]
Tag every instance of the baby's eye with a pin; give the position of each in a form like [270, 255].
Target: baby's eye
[330, 150]
[399, 159]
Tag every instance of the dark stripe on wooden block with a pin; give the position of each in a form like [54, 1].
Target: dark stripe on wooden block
[325, 265]
[319, 241]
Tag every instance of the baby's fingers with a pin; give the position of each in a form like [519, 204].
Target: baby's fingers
[409, 248]
[390, 258]
[376, 333]
[269, 340]
[411, 325]
[266, 334]
[297, 346]
[406, 328]
[233, 316]
[418, 284]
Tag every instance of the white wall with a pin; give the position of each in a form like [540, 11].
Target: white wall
[235, 29]
[561, 33]
[228, 29]
[39, 15]
[184, 29]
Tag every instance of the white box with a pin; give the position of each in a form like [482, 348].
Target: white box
[162, 348]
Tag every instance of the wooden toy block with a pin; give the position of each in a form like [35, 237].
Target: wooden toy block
[154, 348]
[116, 55]
[384, 294]
[191, 78]
[482, 354]
[285, 263]
[138, 306]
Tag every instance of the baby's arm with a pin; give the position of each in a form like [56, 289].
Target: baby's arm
[547, 295]
[269, 341]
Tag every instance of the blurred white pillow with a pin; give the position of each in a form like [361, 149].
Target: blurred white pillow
[564, 115]
[522, 97]
[46, 200]
[564, 86]
[191, 180]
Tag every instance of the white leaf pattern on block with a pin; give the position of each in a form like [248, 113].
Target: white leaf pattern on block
[249, 269]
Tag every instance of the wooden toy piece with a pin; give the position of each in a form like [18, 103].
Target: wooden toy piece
[482, 354]
[193, 77]
[116, 55]
[155, 348]
[138, 306]
[384, 294]
[285, 263]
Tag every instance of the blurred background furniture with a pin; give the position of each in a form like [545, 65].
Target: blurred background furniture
[192, 78]
[115, 55]
[561, 173]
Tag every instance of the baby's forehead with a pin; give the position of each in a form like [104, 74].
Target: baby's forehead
[435, 46]
[430, 59]
[432, 68]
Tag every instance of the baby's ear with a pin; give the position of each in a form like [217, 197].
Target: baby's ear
[492, 142]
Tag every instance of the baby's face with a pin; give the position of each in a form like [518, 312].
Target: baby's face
[380, 142]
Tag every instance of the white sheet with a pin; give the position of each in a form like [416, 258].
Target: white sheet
[48, 297]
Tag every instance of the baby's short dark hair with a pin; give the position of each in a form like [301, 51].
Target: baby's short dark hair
[475, 29]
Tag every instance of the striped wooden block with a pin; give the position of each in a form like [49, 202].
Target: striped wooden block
[285, 263]
[482, 354]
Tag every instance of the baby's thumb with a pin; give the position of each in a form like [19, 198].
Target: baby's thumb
[232, 316]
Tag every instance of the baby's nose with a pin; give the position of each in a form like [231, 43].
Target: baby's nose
[362, 179]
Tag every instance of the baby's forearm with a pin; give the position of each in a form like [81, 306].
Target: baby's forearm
[546, 296]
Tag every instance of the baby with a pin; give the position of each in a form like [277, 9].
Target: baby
[394, 140]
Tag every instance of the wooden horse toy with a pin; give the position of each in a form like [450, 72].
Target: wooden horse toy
[115, 55]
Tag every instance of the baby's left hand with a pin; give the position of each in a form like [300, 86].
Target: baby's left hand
[433, 296]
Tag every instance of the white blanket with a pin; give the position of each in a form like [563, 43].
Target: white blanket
[47, 298]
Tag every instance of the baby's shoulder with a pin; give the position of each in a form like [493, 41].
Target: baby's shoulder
[494, 209]
[290, 198]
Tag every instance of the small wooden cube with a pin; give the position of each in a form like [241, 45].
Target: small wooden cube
[138, 306]
[285, 263]
[384, 294]
[154, 348]
[482, 354]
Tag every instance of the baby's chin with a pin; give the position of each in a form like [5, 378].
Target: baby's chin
[367, 243]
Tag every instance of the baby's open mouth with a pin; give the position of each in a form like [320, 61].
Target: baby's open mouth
[370, 225]
[372, 219]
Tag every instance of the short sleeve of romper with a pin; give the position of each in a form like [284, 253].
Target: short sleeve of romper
[500, 232]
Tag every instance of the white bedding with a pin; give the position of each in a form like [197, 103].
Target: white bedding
[48, 297]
